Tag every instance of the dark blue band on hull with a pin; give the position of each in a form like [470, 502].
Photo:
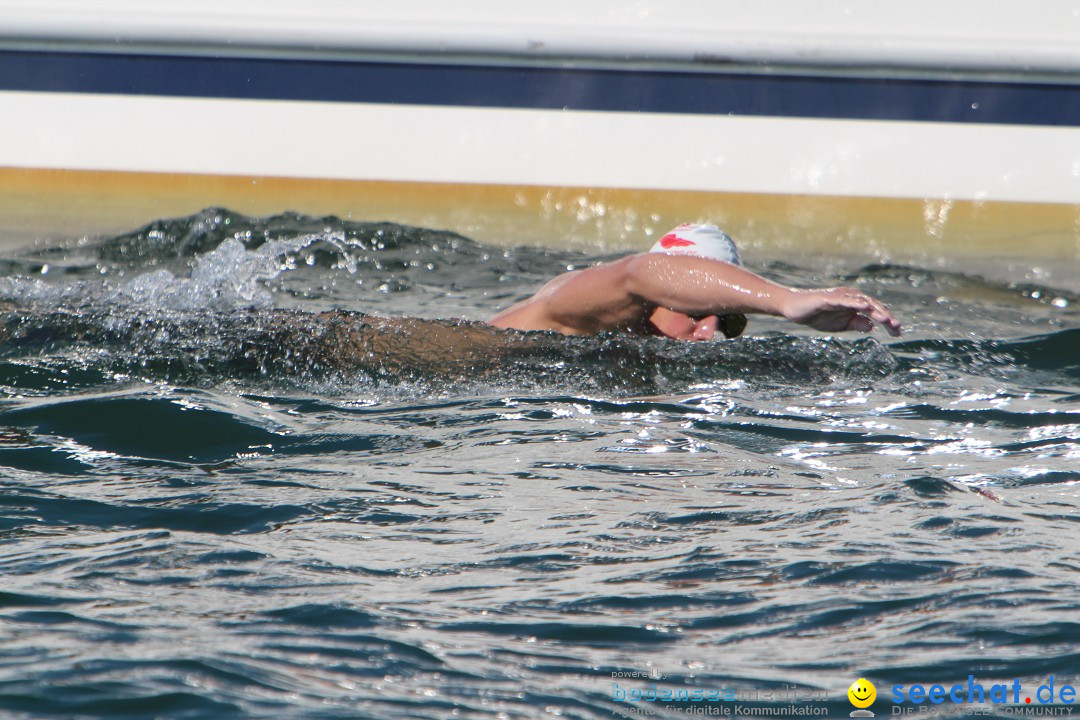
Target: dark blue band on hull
[700, 93]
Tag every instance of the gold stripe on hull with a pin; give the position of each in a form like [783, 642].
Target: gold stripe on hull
[50, 205]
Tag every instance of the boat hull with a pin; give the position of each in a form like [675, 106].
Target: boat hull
[518, 149]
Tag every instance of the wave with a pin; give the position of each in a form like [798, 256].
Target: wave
[1051, 353]
[231, 261]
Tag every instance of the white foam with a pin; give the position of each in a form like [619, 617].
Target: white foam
[229, 277]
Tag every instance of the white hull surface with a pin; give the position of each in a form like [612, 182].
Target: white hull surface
[418, 143]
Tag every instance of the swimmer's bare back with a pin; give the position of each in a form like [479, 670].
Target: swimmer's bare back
[396, 344]
[270, 342]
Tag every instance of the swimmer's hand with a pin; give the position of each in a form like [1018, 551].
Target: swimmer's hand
[839, 309]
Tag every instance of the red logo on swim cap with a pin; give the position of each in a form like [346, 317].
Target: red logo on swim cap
[673, 240]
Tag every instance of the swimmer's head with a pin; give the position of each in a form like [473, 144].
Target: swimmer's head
[707, 241]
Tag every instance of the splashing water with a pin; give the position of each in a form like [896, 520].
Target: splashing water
[229, 277]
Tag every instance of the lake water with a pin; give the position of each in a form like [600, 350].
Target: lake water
[226, 494]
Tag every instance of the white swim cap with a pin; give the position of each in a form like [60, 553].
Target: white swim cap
[707, 241]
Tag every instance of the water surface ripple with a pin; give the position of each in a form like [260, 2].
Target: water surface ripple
[232, 485]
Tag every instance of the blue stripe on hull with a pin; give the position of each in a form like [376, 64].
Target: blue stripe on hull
[710, 93]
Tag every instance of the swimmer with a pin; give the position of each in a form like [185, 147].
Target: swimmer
[689, 286]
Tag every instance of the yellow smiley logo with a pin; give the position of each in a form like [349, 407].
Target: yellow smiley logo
[862, 693]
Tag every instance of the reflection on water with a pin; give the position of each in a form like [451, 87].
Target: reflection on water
[236, 483]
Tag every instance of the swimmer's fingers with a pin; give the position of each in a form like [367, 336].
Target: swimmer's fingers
[840, 309]
[869, 307]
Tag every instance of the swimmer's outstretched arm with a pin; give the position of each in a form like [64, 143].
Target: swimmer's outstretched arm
[700, 286]
[620, 295]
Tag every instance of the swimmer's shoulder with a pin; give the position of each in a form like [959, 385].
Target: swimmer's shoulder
[528, 314]
[565, 303]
